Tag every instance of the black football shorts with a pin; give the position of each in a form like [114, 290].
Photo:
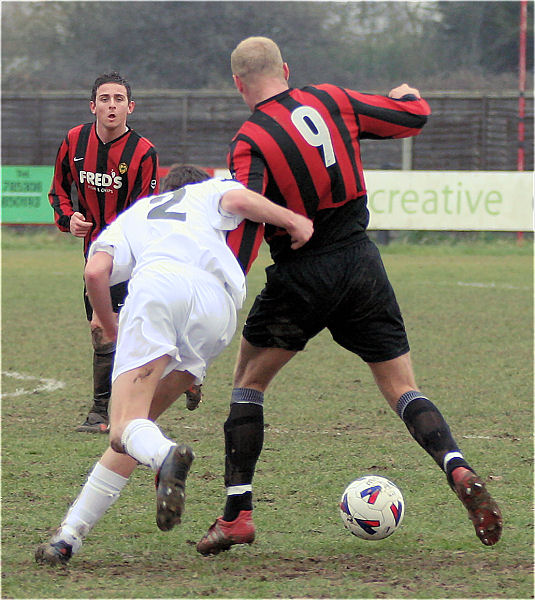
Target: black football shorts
[118, 294]
[346, 291]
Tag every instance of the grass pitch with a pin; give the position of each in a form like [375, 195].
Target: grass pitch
[469, 314]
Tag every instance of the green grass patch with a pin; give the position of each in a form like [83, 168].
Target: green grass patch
[470, 321]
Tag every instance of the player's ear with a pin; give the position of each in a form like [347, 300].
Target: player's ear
[131, 106]
[92, 107]
[286, 71]
[238, 83]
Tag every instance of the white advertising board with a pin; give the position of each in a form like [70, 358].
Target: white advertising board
[448, 200]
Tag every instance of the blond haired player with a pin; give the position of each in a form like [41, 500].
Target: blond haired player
[301, 148]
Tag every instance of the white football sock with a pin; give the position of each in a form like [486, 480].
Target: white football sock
[100, 491]
[143, 440]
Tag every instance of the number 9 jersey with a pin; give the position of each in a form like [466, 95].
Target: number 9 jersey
[301, 149]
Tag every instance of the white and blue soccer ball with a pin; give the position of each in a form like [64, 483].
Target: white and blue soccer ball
[372, 507]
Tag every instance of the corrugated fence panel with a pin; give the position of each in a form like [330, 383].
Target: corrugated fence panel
[465, 132]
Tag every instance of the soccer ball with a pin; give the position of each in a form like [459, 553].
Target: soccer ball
[372, 507]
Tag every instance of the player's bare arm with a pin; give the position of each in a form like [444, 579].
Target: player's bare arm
[256, 207]
[97, 280]
[403, 90]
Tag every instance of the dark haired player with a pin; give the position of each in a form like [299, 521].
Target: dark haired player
[111, 166]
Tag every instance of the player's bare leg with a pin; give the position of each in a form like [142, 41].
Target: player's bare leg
[171, 477]
[152, 397]
[102, 488]
[394, 378]
[256, 367]
[428, 427]
[138, 395]
[168, 390]
[244, 435]
[132, 396]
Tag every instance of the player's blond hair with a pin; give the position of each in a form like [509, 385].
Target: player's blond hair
[256, 57]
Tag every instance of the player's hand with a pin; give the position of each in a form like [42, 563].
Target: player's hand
[300, 231]
[79, 226]
[403, 90]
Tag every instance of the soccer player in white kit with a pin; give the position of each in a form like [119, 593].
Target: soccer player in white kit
[184, 292]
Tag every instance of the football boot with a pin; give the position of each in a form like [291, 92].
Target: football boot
[224, 534]
[171, 486]
[482, 509]
[193, 397]
[53, 553]
[95, 423]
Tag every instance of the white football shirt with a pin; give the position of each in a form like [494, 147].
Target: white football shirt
[187, 226]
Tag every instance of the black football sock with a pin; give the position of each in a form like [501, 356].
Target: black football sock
[428, 427]
[244, 438]
[236, 503]
[102, 370]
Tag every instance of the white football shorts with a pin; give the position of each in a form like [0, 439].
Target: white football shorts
[178, 310]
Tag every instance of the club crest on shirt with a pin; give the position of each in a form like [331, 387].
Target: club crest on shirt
[123, 168]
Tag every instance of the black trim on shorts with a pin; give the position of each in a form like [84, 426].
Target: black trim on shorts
[118, 294]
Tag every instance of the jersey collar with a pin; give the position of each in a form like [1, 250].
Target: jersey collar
[275, 97]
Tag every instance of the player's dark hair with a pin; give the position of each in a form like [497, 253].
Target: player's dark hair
[112, 77]
[180, 175]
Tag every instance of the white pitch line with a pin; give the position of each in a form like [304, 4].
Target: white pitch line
[477, 284]
[502, 286]
[45, 385]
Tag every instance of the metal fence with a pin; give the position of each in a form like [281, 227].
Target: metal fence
[466, 131]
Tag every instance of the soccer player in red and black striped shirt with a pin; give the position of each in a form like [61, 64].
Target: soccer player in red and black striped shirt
[111, 166]
[301, 149]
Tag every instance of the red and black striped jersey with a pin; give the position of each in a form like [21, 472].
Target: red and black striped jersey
[301, 149]
[245, 242]
[108, 176]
